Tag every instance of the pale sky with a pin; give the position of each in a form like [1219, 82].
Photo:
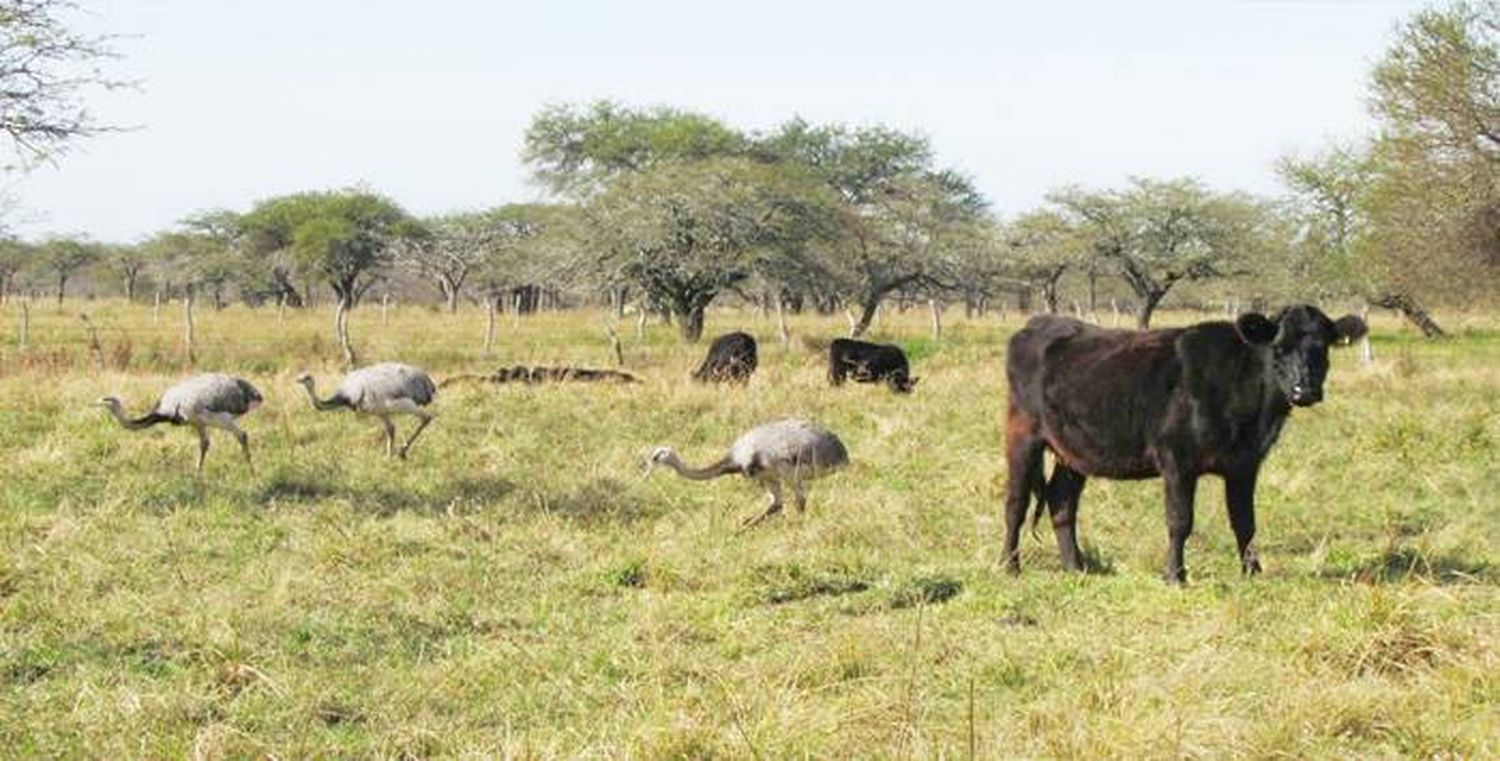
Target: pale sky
[427, 102]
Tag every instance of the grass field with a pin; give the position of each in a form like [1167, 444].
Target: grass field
[514, 589]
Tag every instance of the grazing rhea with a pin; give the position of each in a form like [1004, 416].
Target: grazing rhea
[784, 453]
[382, 390]
[206, 401]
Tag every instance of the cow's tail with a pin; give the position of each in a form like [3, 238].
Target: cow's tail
[1038, 488]
[454, 379]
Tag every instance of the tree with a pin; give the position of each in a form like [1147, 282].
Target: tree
[340, 236]
[14, 258]
[448, 249]
[45, 72]
[1434, 202]
[1157, 234]
[129, 262]
[1044, 245]
[576, 151]
[684, 233]
[897, 209]
[63, 258]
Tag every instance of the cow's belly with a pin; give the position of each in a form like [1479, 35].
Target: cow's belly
[1101, 453]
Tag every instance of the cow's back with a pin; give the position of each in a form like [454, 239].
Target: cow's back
[1099, 397]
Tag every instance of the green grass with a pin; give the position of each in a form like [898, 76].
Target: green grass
[515, 590]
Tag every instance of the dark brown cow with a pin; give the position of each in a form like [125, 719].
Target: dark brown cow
[731, 358]
[869, 363]
[1176, 403]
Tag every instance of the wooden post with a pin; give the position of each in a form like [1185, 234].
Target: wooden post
[1366, 352]
[385, 308]
[281, 309]
[614, 342]
[489, 323]
[937, 319]
[781, 328]
[95, 350]
[187, 324]
[640, 322]
[156, 307]
[25, 321]
[849, 315]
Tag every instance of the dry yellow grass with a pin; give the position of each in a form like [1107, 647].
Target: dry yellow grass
[514, 590]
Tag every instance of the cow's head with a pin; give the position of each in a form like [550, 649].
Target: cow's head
[902, 383]
[1298, 338]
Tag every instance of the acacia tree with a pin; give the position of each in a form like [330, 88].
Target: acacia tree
[45, 72]
[1157, 234]
[1434, 203]
[576, 151]
[897, 210]
[129, 262]
[15, 255]
[684, 233]
[1044, 246]
[340, 236]
[63, 258]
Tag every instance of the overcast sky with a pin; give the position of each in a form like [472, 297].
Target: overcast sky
[427, 102]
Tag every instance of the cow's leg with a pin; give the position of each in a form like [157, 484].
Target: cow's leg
[1023, 460]
[1180, 486]
[1063, 491]
[1239, 497]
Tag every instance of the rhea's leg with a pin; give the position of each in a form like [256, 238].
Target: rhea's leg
[202, 446]
[426, 418]
[390, 436]
[773, 490]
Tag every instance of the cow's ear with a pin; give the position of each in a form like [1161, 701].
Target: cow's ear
[1255, 328]
[1349, 328]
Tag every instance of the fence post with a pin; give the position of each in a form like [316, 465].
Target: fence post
[937, 319]
[187, 325]
[25, 320]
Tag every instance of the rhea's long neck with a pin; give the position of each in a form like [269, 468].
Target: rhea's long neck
[331, 403]
[722, 467]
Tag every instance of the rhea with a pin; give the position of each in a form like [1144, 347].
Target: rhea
[383, 391]
[211, 400]
[786, 453]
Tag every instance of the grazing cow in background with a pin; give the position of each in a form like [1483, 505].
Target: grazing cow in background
[869, 363]
[731, 358]
[1176, 403]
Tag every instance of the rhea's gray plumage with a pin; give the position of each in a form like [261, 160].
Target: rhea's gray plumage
[784, 453]
[382, 390]
[211, 400]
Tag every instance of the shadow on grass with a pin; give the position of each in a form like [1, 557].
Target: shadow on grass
[1406, 564]
[602, 500]
[292, 487]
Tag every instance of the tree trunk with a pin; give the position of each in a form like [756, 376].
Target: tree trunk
[156, 307]
[690, 321]
[341, 329]
[937, 319]
[867, 307]
[450, 294]
[1412, 311]
[62, 287]
[1148, 307]
[25, 322]
[385, 308]
[130, 288]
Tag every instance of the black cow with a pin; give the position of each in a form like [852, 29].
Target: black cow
[1177, 403]
[869, 363]
[731, 358]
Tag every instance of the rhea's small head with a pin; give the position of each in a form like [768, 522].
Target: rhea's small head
[658, 456]
[305, 379]
[107, 402]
